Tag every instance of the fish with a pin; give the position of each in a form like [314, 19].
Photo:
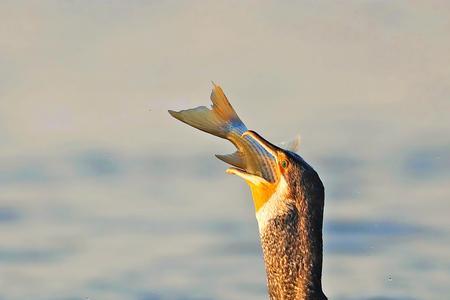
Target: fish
[222, 121]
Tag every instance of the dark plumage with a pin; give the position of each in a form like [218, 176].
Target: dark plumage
[292, 241]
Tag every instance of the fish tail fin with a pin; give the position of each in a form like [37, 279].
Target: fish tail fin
[220, 120]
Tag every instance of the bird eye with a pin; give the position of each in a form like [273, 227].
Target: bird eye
[284, 164]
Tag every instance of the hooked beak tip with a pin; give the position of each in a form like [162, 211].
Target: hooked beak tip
[246, 133]
[251, 134]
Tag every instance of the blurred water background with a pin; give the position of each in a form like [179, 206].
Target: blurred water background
[104, 196]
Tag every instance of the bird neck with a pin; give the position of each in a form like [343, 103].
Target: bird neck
[292, 247]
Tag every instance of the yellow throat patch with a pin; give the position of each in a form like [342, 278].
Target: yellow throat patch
[261, 192]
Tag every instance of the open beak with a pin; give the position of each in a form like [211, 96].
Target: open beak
[262, 160]
[266, 159]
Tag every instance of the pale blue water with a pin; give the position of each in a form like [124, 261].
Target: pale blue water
[108, 226]
[104, 196]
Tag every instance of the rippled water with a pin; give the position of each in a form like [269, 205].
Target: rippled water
[104, 196]
[105, 226]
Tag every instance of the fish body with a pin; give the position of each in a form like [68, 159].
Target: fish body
[222, 120]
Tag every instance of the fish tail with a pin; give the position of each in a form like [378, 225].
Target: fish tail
[221, 120]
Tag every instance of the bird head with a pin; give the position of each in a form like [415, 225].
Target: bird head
[285, 166]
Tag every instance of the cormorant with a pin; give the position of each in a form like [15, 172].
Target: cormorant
[288, 196]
